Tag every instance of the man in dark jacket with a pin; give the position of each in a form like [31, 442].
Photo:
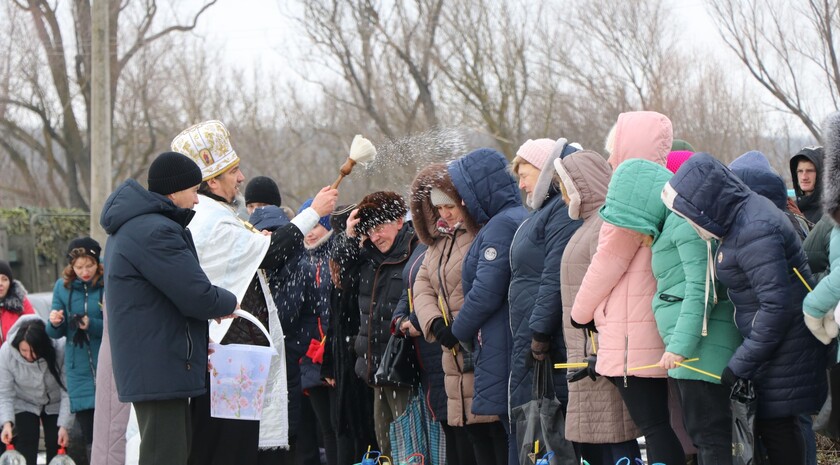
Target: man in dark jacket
[806, 173]
[382, 242]
[233, 254]
[159, 301]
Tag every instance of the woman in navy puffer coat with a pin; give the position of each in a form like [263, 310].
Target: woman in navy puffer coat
[758, 253]
[493, 201]
[535, 256]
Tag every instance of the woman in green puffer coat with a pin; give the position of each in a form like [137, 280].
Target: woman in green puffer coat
[693, 318]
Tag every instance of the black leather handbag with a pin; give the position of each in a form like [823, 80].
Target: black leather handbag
[399, 367]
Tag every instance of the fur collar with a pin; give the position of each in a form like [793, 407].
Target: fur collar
[13, 301]
[544, 181]
[831, 175]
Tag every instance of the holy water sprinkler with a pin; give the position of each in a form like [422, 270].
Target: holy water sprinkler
[361, 151]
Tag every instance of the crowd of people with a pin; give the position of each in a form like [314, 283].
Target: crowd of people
[662, 276]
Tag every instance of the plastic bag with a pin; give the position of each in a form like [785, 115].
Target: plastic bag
[744, 405]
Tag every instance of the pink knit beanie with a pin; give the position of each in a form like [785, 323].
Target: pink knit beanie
[536, 152]
[676, 159]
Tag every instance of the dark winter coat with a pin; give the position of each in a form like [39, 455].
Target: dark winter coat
[352, 413]
[268, 218]
[809, 205]
[754, 170]
[159, 299]
[313, 271]
[380, 288]
[79, 361]
[535, 301]
[493, 200]
[816, 247]
[428, 353]
[758, 252]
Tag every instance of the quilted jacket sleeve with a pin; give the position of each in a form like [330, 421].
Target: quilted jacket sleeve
[547, 315]
[693, 258]
[826, 294]
[761, 257]
[616, 249]
[425, 301]
[489, 291]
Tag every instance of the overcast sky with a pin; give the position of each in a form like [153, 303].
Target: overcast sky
[254, 32]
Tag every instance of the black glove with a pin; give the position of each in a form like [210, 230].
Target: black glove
[728, 377]
[578, 375]
[443, 334]
[540, 344]
[589, 326]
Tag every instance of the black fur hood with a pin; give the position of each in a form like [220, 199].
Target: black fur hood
[13, 301]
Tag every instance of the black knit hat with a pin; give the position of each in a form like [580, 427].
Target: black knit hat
[173, 172]
[6, 270]
[263, 189]
[89, 245]
[379, 208]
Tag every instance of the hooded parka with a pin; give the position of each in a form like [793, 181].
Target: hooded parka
[809, 205]
[756, 259]
[439, 284]
[595, 412]
[754, 169]
[689, 321]
[619, 286]
[535, 256]
[493, 201]
[159, 298]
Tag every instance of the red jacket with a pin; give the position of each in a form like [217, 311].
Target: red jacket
[12, 307]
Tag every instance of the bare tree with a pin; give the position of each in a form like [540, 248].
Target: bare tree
[484, 55]
[48, 113]
[789, 48]
[384, 57]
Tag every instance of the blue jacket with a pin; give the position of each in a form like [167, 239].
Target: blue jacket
[755, 171]
[492, 199]
[535, 303]
[759, 250]
[79, 361]
[269, 218]
[428, 353]
[158, 297]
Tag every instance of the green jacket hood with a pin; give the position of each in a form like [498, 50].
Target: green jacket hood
[634, 197]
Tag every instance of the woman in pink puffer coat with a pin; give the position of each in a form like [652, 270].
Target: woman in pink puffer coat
[616, 294]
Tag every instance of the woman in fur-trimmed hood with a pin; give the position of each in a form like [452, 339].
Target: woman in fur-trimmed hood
[444, 224]
[13, 301]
